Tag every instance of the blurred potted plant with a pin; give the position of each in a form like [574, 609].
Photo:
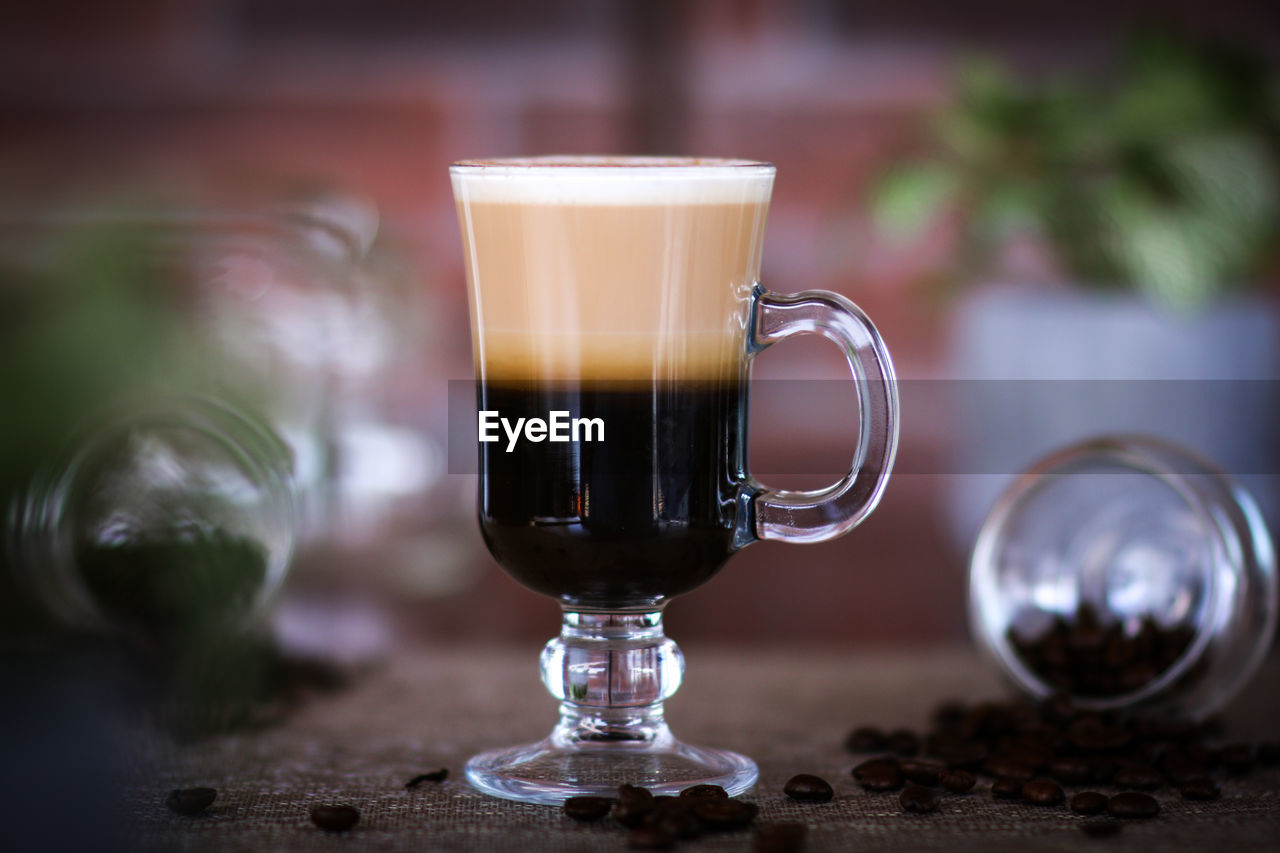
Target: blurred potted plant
[1149, 204]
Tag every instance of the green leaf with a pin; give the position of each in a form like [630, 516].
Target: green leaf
[986, 83]
[1011, 208]
[911, 198]
[1164, 90]
[1164, 178]
[1230, 176]
[1178, 260]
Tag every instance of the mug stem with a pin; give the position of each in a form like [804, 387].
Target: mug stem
[612, 671]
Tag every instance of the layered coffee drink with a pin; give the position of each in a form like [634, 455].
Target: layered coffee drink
[620, 298]
[615, 310]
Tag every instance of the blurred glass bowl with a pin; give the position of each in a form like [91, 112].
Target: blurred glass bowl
[1127, 572]
[174, 517]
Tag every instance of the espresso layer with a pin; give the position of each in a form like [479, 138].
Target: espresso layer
[615, 292]
[645, 514]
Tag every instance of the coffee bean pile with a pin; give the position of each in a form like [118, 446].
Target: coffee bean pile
[1031, 751]
[1084, 657]
[658, 822]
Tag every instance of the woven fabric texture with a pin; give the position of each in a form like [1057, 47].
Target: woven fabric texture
[432, 708]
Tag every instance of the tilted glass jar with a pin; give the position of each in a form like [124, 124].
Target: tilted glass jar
[175, 515]
[1128, 573]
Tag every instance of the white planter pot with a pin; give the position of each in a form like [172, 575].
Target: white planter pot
[1057, 366]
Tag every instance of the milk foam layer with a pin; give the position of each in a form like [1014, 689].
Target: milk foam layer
[612, 180]
[611, 268]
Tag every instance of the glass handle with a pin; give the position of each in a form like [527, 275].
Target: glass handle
[816, 516]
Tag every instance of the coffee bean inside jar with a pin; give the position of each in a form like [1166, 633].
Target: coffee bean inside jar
[1127, 573]
[1088, 655]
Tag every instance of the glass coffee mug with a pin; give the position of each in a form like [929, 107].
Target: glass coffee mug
[615, 311]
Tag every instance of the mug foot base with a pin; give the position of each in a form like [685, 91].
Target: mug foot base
[545, 773]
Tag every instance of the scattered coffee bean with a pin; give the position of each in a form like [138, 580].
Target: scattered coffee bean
[1181, 769]
[723, 815]
[865, 739]
[1030, 752]
[779, 838]
[190, 801]
[987, 721]
[587, 809]
[633, 804]
[713, 791]
[918, 799]
[650, 838]
[434, 776]
[1203, 788]
[1042, 792]
[634, 793]
[674, 815]
[1133, 805]
[875, 765]
[1071, 770]
[880, 778]
[965, 755]
[1089, 735]
[958, 781]
[335, 818]
[1007, 787]
[922, 772]
[1009, 769]
[809, 788]
[682, 825]
[902, 742]
[1138, 776]
[1237, 758]
[1101, 828]
[1200, 754]
[1058, 708]
[1089, 802]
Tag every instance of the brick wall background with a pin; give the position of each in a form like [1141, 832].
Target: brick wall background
[378, 96]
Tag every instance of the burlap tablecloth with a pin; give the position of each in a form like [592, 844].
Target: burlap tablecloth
[430, 708]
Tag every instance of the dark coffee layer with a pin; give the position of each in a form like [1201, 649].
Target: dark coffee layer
[645, 514]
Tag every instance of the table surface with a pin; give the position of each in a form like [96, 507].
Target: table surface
[431, 708]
